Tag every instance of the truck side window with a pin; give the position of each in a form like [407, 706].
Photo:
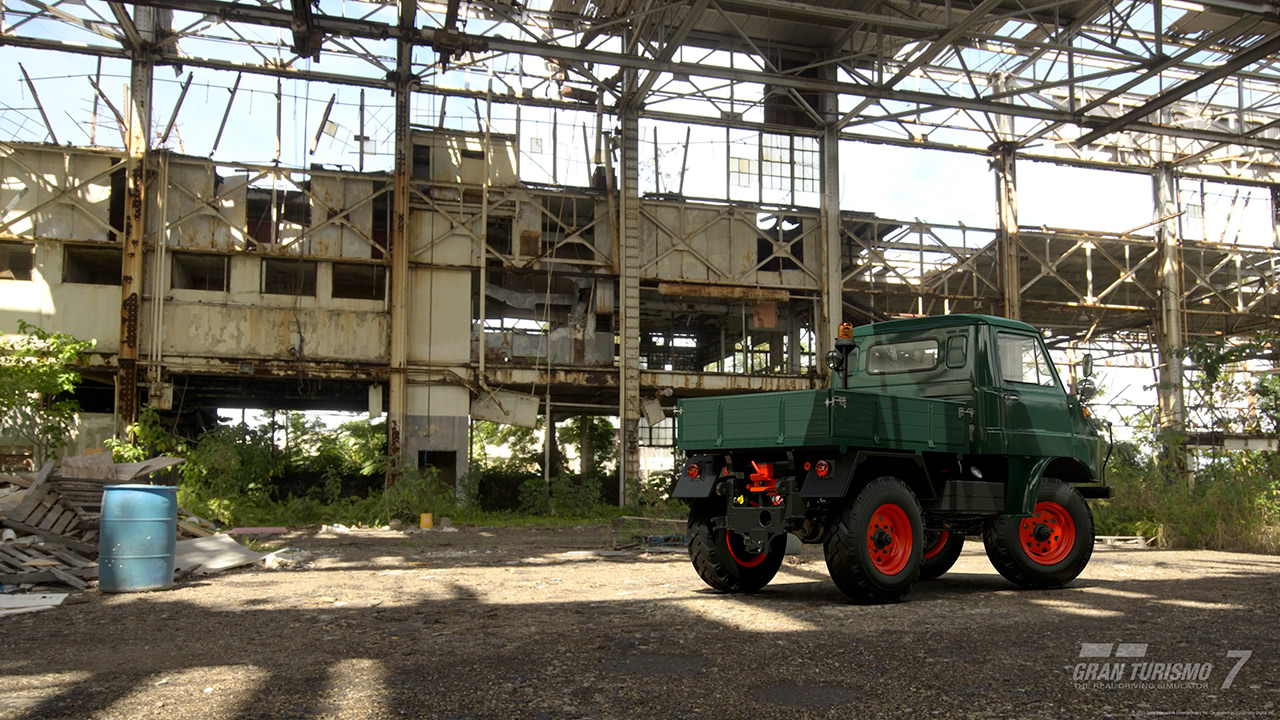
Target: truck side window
[1022, 360]
[957, 351]
[902, 357]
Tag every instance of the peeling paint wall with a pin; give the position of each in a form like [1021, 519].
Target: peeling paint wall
[85, 311]
[246, 323]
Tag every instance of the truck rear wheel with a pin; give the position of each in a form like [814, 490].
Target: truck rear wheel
[941, 550]
[720, 558]
[1048, 549]
[874, 548]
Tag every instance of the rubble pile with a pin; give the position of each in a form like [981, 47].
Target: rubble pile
[51, 517]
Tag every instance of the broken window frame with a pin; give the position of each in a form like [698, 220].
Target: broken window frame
[376, 282]
[9, 270]
[202, 261]
[92, 264]
[306, 270]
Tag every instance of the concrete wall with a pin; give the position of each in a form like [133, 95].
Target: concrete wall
[247, 323]
[85, 311]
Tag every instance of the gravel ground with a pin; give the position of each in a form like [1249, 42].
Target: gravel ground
[512, 623]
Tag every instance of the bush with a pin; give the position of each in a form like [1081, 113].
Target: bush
[1233, 503]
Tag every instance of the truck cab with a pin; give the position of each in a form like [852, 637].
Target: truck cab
[962, 420]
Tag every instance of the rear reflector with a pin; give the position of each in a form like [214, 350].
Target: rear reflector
[693, 470]
[823, 468]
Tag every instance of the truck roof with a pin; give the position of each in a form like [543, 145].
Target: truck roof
[939, 321]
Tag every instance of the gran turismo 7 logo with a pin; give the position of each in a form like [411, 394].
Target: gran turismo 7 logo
[1118, 666]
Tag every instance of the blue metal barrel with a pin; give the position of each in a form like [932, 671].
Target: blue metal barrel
[137, 538]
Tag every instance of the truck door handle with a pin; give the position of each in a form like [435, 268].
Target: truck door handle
[1011, 398]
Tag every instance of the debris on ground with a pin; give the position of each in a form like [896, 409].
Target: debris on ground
[51, 517]
[289, 558]
[213, 554]
[1126, 541]
[659, 533]
[191, 525]
[257, 531]
[21, 604]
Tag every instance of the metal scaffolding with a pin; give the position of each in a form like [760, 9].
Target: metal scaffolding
[520, 175]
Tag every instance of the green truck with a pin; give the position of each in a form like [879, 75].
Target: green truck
[933, 429]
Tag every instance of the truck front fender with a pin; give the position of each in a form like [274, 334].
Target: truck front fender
[1023, 486]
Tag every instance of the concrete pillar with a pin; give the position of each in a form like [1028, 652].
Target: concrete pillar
[629, 308]
[398, 376]
[1008, 249]
[132, 251]
[1169, 327]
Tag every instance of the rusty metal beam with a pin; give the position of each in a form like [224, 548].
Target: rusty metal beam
[1257, 52]
[133, 252]
[722, 292]
[36, 97]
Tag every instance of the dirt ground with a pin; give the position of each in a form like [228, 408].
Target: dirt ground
[513, 623]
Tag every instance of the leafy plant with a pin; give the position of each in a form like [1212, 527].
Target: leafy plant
[37, 370]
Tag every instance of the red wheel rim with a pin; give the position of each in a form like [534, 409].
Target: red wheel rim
[751, 560]
[937, 546]
[1052, 544]
[889, 539]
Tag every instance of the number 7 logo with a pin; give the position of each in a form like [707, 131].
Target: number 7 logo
[1244, 656]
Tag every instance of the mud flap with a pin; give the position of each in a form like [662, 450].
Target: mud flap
[709, 467]
[836, 484]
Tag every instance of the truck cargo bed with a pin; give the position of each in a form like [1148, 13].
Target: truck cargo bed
[814, 418]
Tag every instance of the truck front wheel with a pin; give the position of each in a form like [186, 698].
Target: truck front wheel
[875, 547]
[720, 558]
[1048, 549]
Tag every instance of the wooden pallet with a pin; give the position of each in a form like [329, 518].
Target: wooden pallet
[43, 513]
[40, 563]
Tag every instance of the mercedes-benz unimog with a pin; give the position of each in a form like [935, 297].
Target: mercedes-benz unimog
[933, 430]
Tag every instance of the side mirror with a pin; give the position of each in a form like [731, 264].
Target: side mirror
[1086, 389]
[1088, 365]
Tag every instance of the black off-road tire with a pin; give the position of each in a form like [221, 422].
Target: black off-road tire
[716, 565]
[849, 559]
[1011, 557]
[932, 568]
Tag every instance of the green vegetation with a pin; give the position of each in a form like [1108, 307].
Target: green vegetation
[37, 370]
[1233, 502]
[294, 471]
[1225, 499]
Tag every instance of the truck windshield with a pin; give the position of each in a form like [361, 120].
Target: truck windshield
[901, 357]
[1022, 360]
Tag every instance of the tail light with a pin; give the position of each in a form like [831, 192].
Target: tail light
[693, 470]
[822, 468]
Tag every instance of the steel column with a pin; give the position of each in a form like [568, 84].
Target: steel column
[1169, 329]
[629, 308]
[138, 120]
[1004, 162]
[832, 278]
[398, 403]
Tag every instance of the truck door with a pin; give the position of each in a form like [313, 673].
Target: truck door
[1037, 421]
